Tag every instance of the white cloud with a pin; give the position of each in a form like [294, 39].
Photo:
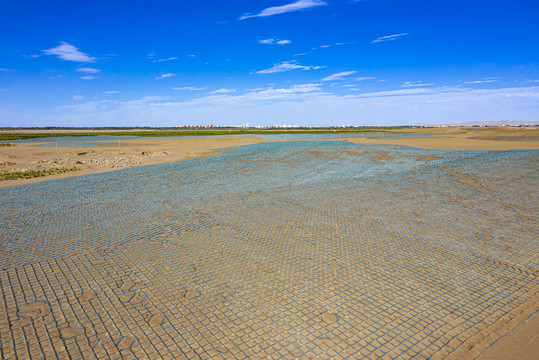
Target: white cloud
[363, 78]
[69, 52]
[324, 47]
[167, 59]
[307, 105]
[222, 91]
[415, 84]
[77, 97]
[151, 56]
[89, 77]
[338, 76]
[223, 96]
[295, 6]
[413, 91]
[287, 66]
[274, 42]
[190, 88]
[481, 81]
[89, 70]
[5, 70]
[164, 76]
[110, 92]
[147, 100]
[263, 94]
[389, 38]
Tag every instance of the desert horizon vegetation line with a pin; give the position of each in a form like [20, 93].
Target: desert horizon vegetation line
[164, 132]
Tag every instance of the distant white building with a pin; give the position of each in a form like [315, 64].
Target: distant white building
[285, 126]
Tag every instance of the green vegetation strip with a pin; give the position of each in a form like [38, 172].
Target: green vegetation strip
[5, 144]
[6, 163]
[14, 175]
[170, 132]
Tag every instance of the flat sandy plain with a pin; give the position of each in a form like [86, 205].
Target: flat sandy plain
[151, 151]
[110, 156]
[372, 248]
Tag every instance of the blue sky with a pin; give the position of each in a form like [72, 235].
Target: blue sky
[301, 62]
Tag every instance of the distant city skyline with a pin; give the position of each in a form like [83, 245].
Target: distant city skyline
[301, 62]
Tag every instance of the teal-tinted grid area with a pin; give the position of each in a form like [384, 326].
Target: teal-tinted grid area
[289, 249]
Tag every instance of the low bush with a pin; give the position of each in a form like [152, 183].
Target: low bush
[29, 174]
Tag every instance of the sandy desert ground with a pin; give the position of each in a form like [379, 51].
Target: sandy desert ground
[152, 151]
[299, 251]
[452, 138]
[112, 156]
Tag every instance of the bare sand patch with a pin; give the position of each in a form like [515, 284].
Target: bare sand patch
[111, 156]
[491, 138]
[522, 343]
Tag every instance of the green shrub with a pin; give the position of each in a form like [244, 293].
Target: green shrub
[29, 174]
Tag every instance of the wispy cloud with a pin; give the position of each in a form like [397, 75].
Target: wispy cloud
[338, 76]
[484, 81]
[110, 92]
[222, 91]
[295, 6]
[190, 88]
[274, 93]
[77, 97]
[413, 91]
[89, 77]
[415, 84]
[164, 76]
[167, 59]
[389, 38]
[151, 56]
[324, 47]
[69, 52]
[5, 70]
[311, 106]
[287, 66]
[226, 96]
[89, 70]
[274, 42]
[363, 78]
